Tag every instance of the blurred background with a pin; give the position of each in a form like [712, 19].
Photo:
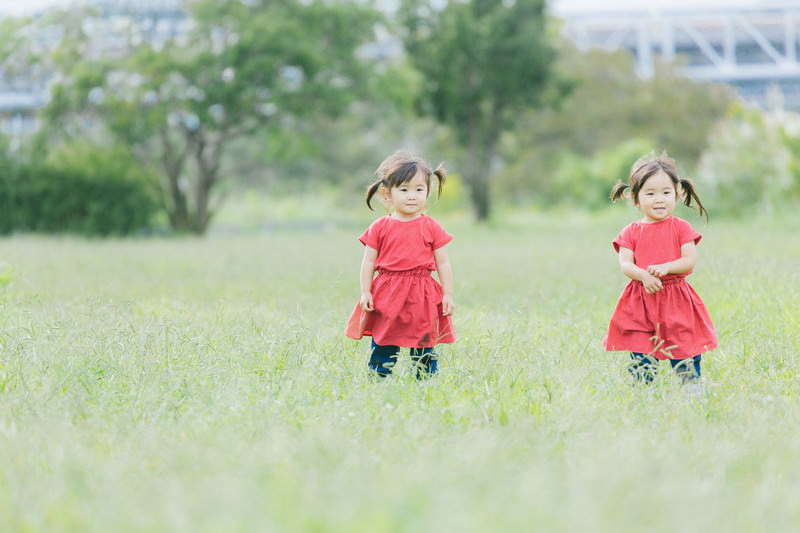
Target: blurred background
[138, 117]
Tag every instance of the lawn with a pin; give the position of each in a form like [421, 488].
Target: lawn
[192, 384]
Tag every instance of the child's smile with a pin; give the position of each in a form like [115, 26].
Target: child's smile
[410, 198]
[656, 199]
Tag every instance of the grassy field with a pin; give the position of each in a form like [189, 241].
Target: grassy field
[205, 385]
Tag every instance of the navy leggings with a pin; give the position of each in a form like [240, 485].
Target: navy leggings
[383, 358]
[644, 367]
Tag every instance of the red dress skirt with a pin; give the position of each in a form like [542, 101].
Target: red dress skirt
[672, 323]
[408, 311]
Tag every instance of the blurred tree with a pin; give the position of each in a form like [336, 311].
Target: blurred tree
[748, 165]
[587, 181]
[245, 67]
[791, 139]
[607, 105]
[344, 151]
[14, 46]
[483, 62]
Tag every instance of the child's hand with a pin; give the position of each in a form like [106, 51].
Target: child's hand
[652, 284]
[366, 302]
[657, 270]
[447, 305]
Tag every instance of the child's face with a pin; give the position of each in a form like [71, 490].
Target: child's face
[656, 198]
[409, 199]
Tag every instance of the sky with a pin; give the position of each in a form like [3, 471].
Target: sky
[25, 7]
[572, 6]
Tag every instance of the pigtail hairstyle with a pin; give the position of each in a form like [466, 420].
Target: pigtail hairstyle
[401, 167]
[618, 191]
[689, 193]
[441, 176]
[371, 190]
[649, 165]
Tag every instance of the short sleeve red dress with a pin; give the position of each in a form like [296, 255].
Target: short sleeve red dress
[672, 323]
[407, 299]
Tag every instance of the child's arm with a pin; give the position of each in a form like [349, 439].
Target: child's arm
[679, 266]
[445, 272]
[651, 283]
[367, 273]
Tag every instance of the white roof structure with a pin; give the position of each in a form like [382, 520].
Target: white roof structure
[11, 101]
[31, 7]
[569, 8]
[752, 45]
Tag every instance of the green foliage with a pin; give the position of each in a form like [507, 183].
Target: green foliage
[242, 101]
[608, 105]
[483, 62]
[8, 273]
[790, 137]
[453, 196]
[11, 55]
[398, 84]
[245, 68]
[748, 166]
[337, 154]
[586, 181]
[80, 189]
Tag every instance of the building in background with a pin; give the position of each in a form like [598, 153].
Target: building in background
[751, 45]
[116, 25]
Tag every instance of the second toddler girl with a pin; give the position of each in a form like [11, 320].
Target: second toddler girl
[659, 316]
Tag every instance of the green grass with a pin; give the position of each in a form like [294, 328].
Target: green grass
[205, 385]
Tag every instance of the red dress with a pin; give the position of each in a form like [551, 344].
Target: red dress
[407, 299]
[672, 323]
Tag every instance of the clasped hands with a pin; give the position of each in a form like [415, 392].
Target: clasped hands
[652, 283]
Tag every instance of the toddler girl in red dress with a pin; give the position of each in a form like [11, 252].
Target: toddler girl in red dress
[659, 316]
[404, 305]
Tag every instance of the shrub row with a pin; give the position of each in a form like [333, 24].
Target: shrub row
[92, 193]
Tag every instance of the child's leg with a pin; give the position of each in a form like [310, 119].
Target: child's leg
[383, 358]
[687, 369]
[643, 367]
[425, 361]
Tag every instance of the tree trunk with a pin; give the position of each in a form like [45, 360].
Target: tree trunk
[207, 160]
[175, 205]
[476, 174]
[479, 194]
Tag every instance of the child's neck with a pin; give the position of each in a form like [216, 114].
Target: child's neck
[397, 216]
[645, 220]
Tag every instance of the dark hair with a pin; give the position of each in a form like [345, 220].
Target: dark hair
[400, 168]
[647, 166]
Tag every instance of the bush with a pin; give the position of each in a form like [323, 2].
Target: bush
[748, 166]
[453, 198]
[79, 189]
[587, 182]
